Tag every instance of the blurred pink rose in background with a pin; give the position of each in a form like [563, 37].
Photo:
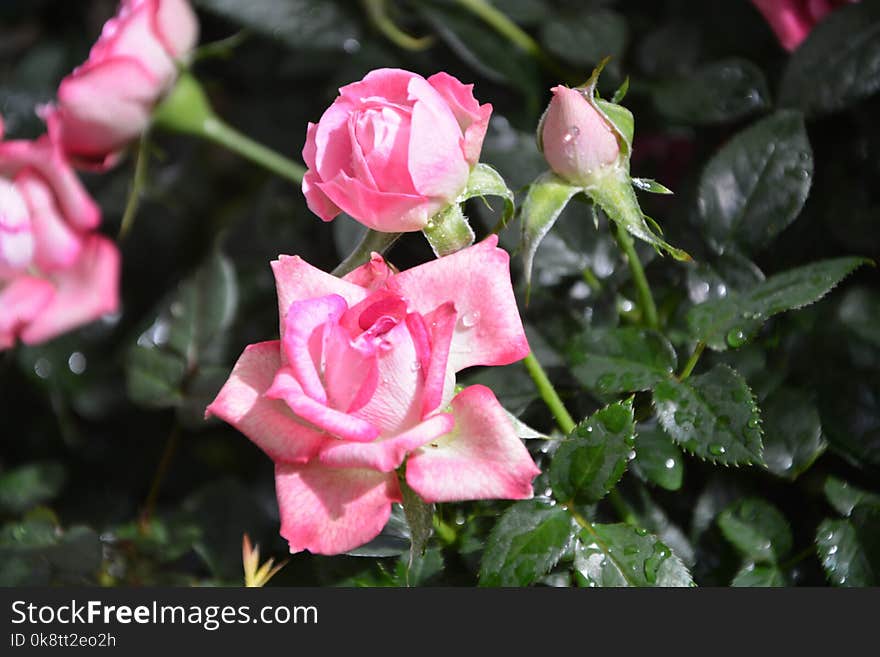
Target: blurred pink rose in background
[106, 103]
[363, 378]
[792, 20]
[576, 139]
[394, 149]
[55, 272]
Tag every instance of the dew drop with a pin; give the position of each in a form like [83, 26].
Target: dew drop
[736, 338]
[670, 463]
[416, 366]
[717, 450]
[631, 455]
[43, 368]
[469, 320]
[77, 362]
[571, 135]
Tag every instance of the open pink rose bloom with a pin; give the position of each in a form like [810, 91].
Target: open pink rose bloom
[394, 149]
[107, 102]
[363, 380]
[56, 273]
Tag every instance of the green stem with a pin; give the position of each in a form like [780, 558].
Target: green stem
[692, 361]
[548, 394]
[378, 14]
[187, 109]
[137, 184]
[224, 134]
[159, 476]
[646, 300]
[512, 32]
[372, 241]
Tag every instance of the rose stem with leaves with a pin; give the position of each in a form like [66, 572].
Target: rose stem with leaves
[567, 424]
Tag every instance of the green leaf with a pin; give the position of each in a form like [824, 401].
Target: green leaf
[845, 497]
[792, 433]
[650, 185]
[658, 458]
[448, 231]
[525, 543]
[719, 92]
[547, 197]
[30, 485]
[733, 320]
[621, 359]
[593, 458]
[419, 517]
[712, 415]
[760, 576]
[185, 337]
[613, 192]
[298, 24]
[850, 549]
[584, 38]
[838, 64]
[622, 555]
[393, 540]
[756, 185]
[757, 529]
[486, 181]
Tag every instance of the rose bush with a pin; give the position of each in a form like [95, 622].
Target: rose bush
[55, 271]
[107, 101]
[364, 376]
[394, 149]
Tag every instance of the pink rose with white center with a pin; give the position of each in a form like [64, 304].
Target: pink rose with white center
[792, 20]
[394, 149]
[107, 102]
[363, 379]
[55, 272]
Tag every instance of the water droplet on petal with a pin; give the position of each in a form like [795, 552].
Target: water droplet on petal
[470, 319]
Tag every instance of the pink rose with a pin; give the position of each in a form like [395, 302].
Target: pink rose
[363, 378]
[576, 139]
[55, 273]
[394, 149]
[792, 20]
[107, 102]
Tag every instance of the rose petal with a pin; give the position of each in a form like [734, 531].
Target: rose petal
[295, 280]
[83, 292]
[20, 301]
[489, 330]
[329, 510]
[436, 160]
[386, 454]
[57, 245]
[383, 211]
[269, 423]
[438, 375]
[482, 458]
[473, 118]
[302, 338]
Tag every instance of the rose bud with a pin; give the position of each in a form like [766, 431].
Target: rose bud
[394, 149]
[107, 101]
[576, 139]
[792, 20]
[56, 273]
